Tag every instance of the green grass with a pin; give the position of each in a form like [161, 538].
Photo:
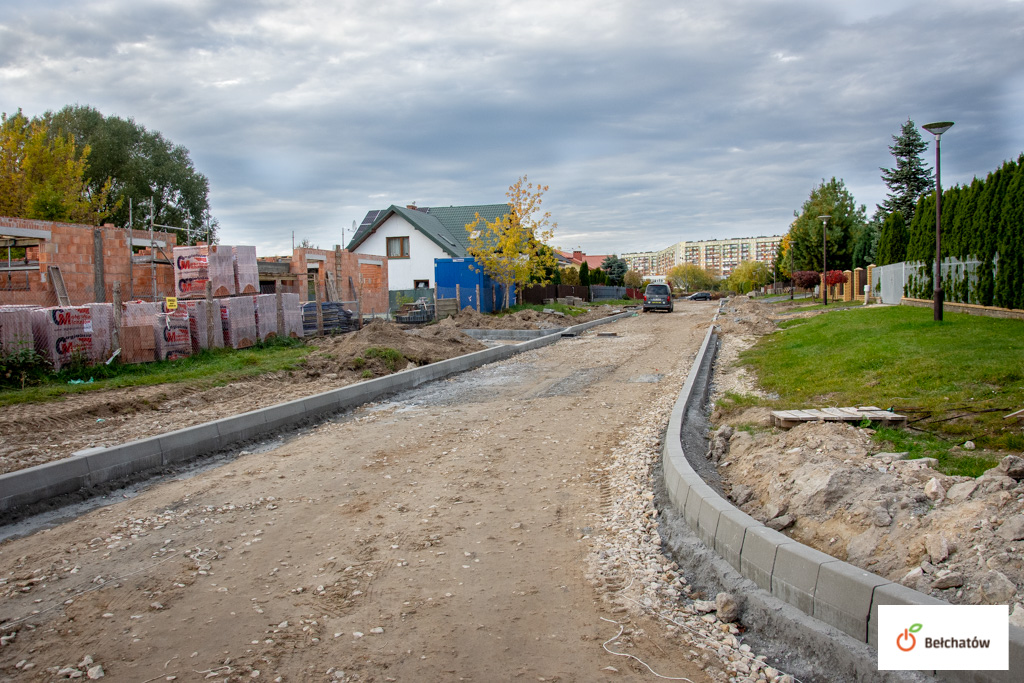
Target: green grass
[205, 369]
[923, 445]
[954, 379]
[391, 357]
[832, 306]
[617, 302]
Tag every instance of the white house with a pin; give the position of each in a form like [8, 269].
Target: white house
[412, 237]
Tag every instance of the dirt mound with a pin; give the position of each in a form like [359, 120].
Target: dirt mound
[827, 486]
[744, 316]
[470, 319]
[337, 355]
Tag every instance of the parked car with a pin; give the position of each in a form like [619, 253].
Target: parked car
[700, 296]
[658, 297]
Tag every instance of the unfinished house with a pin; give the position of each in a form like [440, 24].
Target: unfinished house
[359, 280]
[44, 263]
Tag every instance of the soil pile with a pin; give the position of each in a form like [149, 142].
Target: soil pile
[744, 316]
[470, 319]
[828, 486]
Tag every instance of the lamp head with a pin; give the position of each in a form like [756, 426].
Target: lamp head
[938, 128]
[825, 217]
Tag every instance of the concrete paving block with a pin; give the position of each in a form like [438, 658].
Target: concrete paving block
[795, 576]
[694, 501]
[41, 482]
[118, 462]
[732, 528]
[757, 558]
[679, 494]
[894, 594]
[711, 509]
[672, 478]
[842, 597]
[240, 427]
[189, 443]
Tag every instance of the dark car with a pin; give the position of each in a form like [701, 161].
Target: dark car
[699, 296]
[658, 297]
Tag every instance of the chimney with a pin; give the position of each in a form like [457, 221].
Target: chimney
[578, 256]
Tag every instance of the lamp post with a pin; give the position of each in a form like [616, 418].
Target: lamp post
[937, 129]
[824, 259]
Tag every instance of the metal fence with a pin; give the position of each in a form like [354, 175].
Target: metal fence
[909, 278]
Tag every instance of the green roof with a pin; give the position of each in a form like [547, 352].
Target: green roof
[443, 225]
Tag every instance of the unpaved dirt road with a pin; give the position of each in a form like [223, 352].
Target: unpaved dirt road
[444, 535]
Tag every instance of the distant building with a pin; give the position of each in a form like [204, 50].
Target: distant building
[718, 257]
[575, 259]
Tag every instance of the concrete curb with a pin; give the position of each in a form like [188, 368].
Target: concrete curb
[835, 592]
[97, 466]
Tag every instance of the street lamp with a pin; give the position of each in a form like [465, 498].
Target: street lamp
[937, 129]
[824, 257]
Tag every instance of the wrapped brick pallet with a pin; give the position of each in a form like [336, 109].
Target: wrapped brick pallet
[173, 339]
[197, 325]
[238, 318]
[102, 316]
[191, 271]
[221, 260]
[138, 336]
[247, 274]
[265, 306]
[16, 329]
[62, 332]
[292, 315]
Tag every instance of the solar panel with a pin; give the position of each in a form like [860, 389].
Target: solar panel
[371, 216]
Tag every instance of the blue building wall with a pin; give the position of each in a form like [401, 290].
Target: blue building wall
[467, 274]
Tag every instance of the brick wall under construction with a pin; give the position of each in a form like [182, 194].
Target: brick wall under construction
[91, 259]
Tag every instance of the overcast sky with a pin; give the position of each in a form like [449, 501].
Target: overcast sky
[652, 121]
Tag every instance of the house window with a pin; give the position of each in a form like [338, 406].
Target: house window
[398, 247]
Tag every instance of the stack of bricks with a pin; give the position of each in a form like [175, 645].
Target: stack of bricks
[173, 337]
[138, 336]
[292, 315]
[247, 274]
[16, 329]
[191, 271]
[198, 331]
[102, 318]
[265, 306]
[62, 333]
[221, 262]
[238, 318]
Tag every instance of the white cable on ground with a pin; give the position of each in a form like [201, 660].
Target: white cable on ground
[633, 657]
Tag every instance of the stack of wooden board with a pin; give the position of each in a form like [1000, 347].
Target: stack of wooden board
[791, 418]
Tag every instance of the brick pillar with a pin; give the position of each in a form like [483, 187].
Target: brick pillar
[848, 286]
[858, 282]
[870, 280]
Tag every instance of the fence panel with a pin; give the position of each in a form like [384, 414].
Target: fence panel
[601, 292]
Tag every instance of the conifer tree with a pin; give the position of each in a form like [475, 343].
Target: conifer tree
[892, 244]
[911, 177]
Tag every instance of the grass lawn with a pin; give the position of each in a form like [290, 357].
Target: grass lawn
[205, 369]
[955, 380]
[561, 308]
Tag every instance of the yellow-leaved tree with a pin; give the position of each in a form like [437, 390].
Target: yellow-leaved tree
[42, 175]
[508, 249]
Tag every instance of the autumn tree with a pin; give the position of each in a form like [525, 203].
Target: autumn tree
[633, 279]
[42, 175]
[510, 248]
[689, 277]
[749, 275]
[570, 276]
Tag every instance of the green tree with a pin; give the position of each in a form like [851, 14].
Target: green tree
[42, 175]
[892, 243]
[689, 277]
[911, 177]
[511, 248]
[844, 226]
[141, 164]
[584, 274]
[615, 268]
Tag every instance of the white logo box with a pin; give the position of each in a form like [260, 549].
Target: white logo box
[943, 637]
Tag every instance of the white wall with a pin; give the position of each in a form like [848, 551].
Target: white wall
[422, 252]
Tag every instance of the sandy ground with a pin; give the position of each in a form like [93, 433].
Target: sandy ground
[447, 534]
[33, 435]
